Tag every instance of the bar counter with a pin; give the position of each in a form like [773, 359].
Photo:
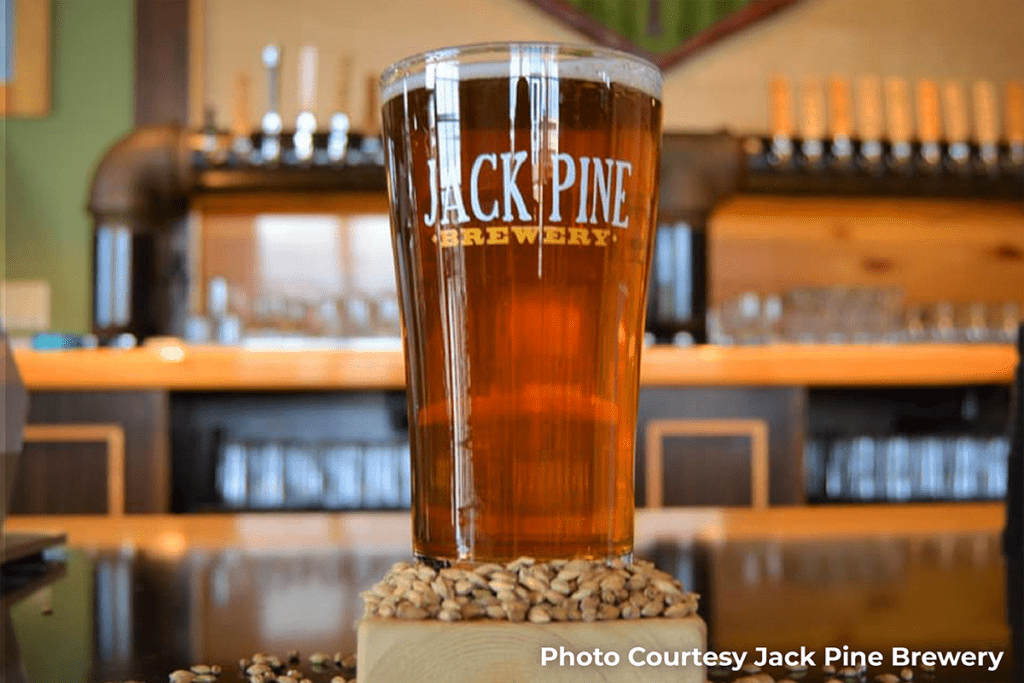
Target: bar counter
[205, 368]
[144, 595]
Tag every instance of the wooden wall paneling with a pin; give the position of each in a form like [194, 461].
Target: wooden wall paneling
[657, 432]
[112, 436]
[28, 92]
[68, 478]
[933, 249]
[717, 469]
[144, 416]
[161, 62]
[197, 55]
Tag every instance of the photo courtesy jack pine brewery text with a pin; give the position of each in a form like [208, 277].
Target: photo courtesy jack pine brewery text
[523, 205]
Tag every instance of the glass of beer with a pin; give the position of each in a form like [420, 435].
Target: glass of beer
[523, 181]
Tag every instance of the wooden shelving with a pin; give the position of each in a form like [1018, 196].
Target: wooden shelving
[232, 369]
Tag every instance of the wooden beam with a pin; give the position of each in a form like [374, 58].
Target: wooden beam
[161, 61]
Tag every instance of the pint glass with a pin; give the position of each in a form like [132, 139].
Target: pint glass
[523, 184]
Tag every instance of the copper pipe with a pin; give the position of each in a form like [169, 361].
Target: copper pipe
[145, 175]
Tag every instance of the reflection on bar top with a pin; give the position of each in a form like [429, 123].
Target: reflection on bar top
[390, 531]
[184, 368]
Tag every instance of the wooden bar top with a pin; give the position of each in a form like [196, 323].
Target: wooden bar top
[186, 368]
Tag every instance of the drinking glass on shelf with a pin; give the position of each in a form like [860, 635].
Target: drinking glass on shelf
[389, 318]
[266, 475]
[744, 314]
[894, 480]
[328, 319]
[835, 470]
[771, 319]
[995, 473]
[942, 323]
[973, 324]
[929, 480]
[860, 471]
[343, 476]
[231, 475]
[380, 478]
[1009, 317]
[733, 320]
[798, 317]
[964, 467]
[358, 316]
[304, 480]
[716, 333]
[885, 321]
[814, 469]
[915, 328]
[404, 462]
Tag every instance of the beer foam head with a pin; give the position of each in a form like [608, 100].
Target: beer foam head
[518, 60]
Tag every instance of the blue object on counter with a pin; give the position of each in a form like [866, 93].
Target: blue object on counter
[58, 341]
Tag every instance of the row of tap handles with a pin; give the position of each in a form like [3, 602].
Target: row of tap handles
[270, 145]
[950, 131]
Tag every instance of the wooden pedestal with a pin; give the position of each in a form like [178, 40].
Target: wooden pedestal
[485, 651]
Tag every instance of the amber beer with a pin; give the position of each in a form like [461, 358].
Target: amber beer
[523, 183]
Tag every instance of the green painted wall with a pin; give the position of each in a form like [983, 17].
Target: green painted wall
[48, 161]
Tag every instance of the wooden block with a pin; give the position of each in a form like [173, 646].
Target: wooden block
[400, 651]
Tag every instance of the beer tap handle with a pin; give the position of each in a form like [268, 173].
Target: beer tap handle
[869, 122]
[898, 121]
[305, 122]
[337, 140]
[1014, 105]
[813, 131]
[957, 137]
[270, 146]
[241, 144]
[986, 126]
[780, 115]
[839, 121]
[929, 124]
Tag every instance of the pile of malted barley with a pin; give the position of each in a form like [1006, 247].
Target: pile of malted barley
[559, 590]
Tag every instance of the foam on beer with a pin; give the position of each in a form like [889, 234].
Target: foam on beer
[532, 60]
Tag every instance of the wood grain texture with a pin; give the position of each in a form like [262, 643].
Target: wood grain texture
[715, 469]
[62, 478]
[110, 435]
[28, 93]
[161, 62]
[656, 431]
[774, 244]
[214, 368]
[396, 651]
[144, 417]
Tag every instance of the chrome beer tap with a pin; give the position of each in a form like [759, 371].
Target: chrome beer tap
[1014, 104]
[929, 125]
[241, 144]
[781, 118]
[958, 147]
[337, 140]
[898, 119]
[869, 123]
[812, 144]
[270, 145]
[839, 122]
[986, 127]
[305, 122]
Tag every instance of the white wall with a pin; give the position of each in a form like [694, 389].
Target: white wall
[724, 86]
